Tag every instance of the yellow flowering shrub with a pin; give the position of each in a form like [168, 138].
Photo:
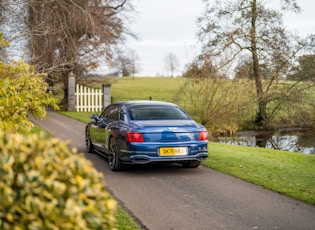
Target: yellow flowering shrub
[22, 93]
[44, 185]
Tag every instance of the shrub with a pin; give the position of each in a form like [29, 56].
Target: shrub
[22, 92]
[44, 185]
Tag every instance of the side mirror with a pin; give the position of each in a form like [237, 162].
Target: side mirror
[95, 117]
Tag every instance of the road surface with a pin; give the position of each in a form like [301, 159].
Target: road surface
[171, 197]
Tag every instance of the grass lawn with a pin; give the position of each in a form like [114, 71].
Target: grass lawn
[285, 172]
[129, 88]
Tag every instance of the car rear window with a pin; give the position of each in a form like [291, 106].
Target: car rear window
[160, 112]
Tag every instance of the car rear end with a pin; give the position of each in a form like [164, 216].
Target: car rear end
[166, 141]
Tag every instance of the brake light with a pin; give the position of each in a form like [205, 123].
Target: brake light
[203, 135]
[135, 137]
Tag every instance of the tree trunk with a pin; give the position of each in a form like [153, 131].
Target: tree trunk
[262, 105]
[64, 101]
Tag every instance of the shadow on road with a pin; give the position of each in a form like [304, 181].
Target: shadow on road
[157, 168]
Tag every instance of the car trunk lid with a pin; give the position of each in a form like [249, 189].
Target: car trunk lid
[168, 130]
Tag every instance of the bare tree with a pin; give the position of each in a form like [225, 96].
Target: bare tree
[135, 67]
[71, 35]
[126, 62]
[171, 63]
[250, 27]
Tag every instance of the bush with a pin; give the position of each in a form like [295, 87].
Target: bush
[44, 185]
[22, 93]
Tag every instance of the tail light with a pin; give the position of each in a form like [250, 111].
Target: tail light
[135, 137]
[203, 135]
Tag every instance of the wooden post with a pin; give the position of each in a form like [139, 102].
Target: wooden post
[71, 92]
[106, 95]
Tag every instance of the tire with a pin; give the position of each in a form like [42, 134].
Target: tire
[191, 164]
[113, 159]
[88, 142]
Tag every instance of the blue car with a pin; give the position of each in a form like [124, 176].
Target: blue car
[142, 132]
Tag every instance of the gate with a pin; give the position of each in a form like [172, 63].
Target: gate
[88, 99]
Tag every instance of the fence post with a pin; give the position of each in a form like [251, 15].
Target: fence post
[71, 92]
[106, 95]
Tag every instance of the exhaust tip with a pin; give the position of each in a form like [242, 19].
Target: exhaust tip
[140, 159]
[202, 157]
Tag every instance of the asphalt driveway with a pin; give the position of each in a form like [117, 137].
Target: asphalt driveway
[171, 197]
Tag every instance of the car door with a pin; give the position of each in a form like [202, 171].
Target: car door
[98, 129]
[110, 118]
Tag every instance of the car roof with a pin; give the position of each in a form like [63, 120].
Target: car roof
[144, 102]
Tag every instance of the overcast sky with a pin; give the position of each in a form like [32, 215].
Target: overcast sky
[169, 26]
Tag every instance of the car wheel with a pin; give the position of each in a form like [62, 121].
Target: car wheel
[113, 158]
[191, 164]
[88, 142]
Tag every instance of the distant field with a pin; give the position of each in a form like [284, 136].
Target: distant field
[129, 88]
[157, 88]
[297, 113]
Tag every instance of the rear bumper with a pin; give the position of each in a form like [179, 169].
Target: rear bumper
[147, 158]
[148, 152]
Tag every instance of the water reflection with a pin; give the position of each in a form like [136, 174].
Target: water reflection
[289, 140]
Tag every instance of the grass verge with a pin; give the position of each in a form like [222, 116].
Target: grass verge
[124, 221]
[289, 173]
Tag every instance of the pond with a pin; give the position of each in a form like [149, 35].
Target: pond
[293, 140]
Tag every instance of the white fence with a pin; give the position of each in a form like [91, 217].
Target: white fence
[88, 99]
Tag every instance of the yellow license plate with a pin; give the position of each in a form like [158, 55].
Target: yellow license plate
[173, 151]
